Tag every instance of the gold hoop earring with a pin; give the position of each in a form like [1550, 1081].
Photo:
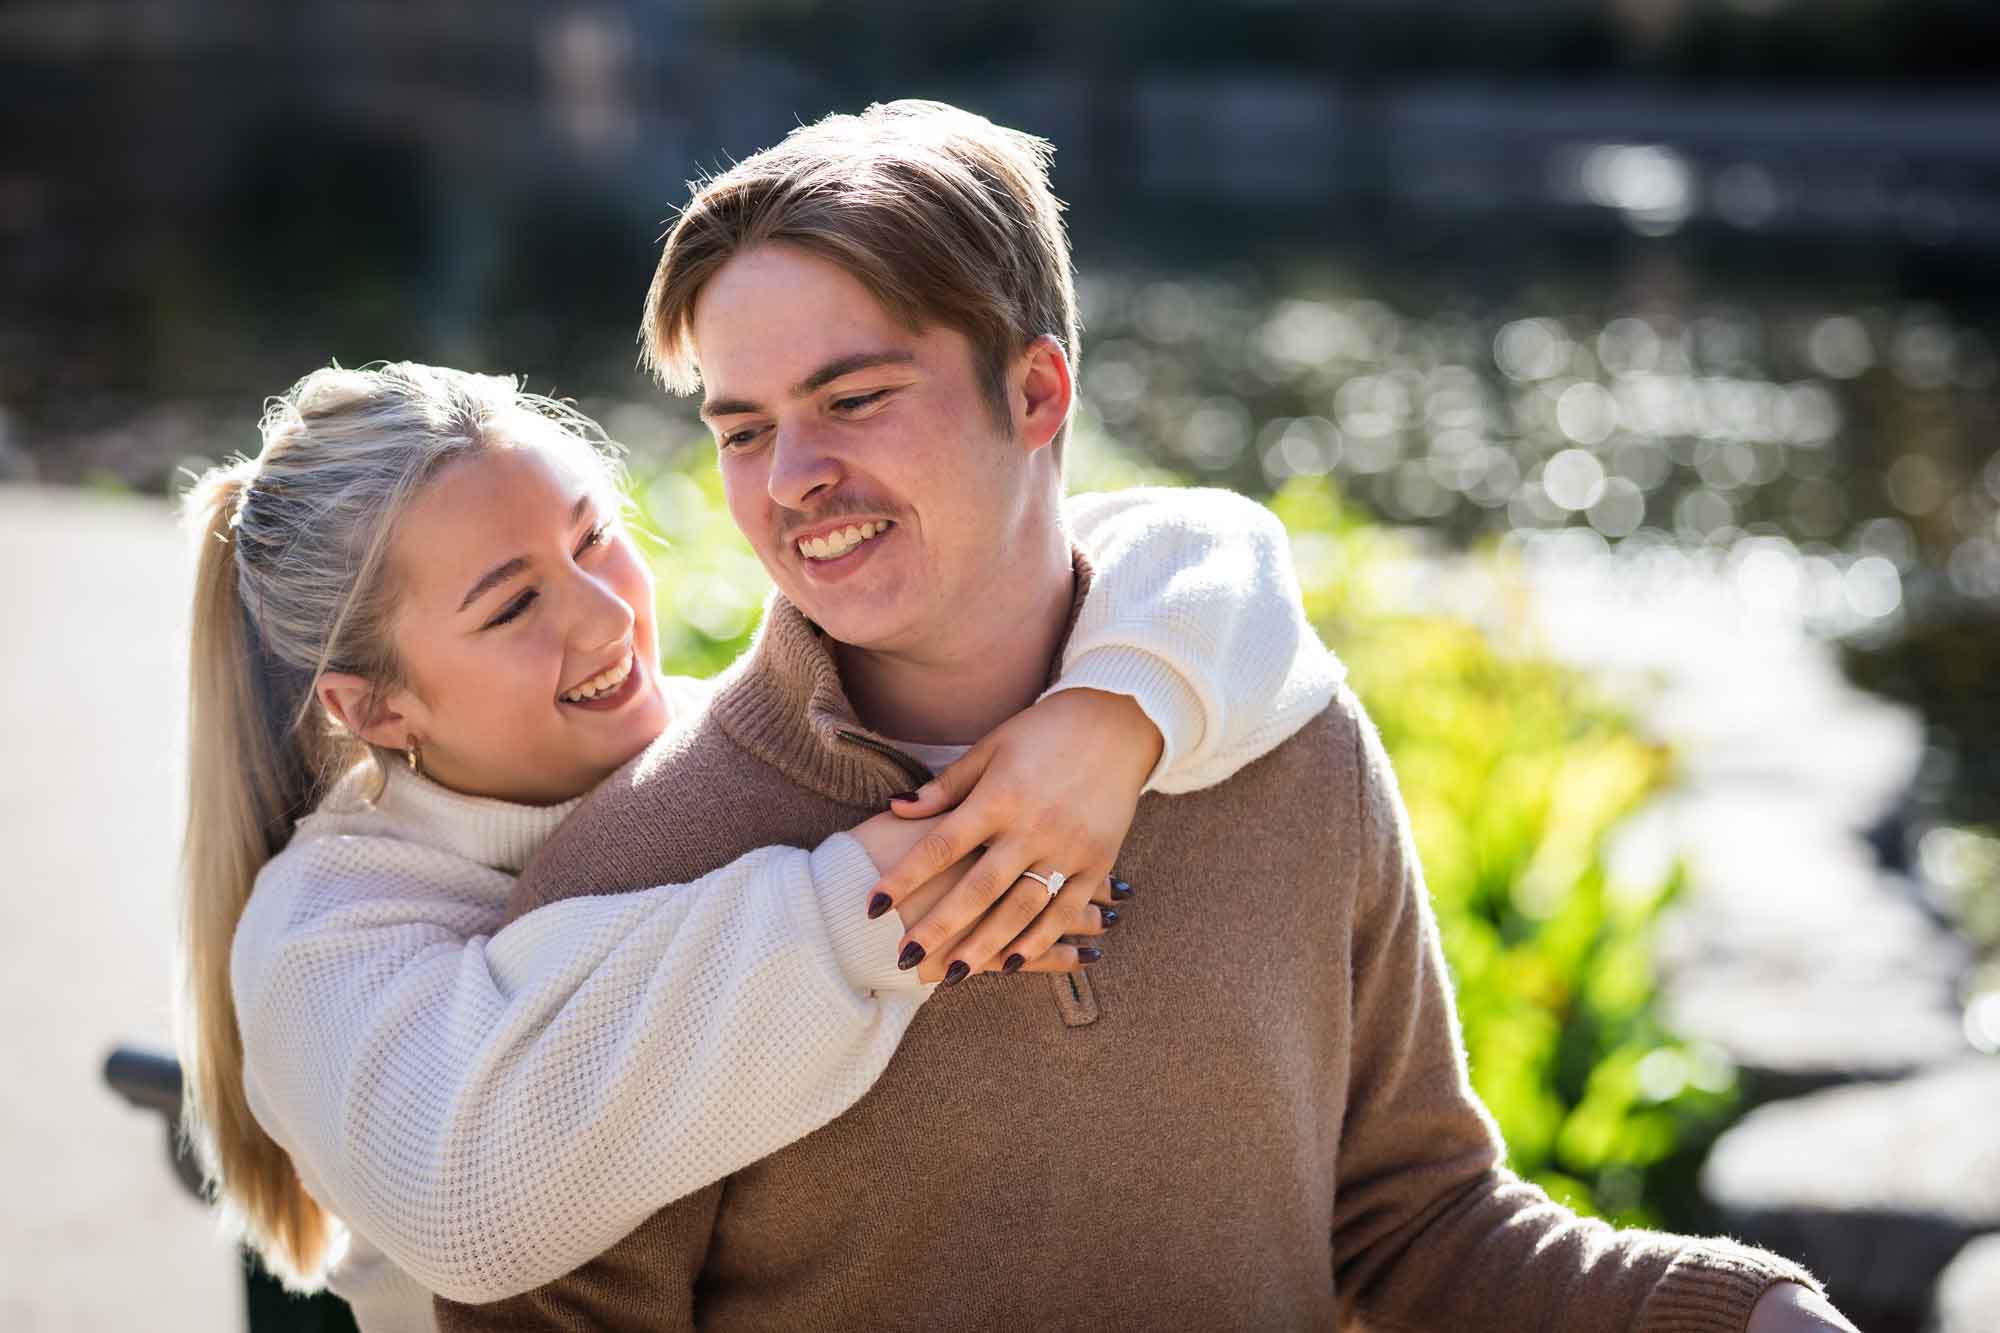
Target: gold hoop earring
[414, 757]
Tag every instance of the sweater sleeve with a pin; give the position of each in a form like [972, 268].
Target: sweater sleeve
[1195, 613]
[492, 1109]
[1430, 1230]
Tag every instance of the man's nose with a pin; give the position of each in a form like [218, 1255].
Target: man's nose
[801, 467]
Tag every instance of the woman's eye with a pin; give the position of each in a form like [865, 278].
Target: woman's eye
[595, 537]
[514, 609]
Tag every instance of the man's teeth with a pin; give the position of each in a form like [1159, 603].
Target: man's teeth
[602, 683]
[836, 544]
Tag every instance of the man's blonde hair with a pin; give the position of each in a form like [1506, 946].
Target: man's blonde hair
[944, 216]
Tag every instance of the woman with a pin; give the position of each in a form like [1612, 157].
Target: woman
[365, 1043]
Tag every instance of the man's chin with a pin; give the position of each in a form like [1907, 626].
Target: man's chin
[845, 622]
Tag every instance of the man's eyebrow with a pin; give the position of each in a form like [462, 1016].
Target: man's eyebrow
[726, 407]
[819, 379]
[500, 573]
[847, 365]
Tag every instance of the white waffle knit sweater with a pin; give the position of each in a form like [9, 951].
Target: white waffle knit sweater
[422, 1065]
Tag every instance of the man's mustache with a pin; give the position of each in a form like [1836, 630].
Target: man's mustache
[796, 521]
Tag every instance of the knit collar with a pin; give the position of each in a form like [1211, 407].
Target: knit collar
[494, 833]
[784, 703]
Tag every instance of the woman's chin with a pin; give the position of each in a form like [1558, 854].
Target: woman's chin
[640, 722]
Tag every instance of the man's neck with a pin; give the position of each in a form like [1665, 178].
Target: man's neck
[989, 664]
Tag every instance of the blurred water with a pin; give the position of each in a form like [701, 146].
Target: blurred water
[1835, 461]
[1842, 463]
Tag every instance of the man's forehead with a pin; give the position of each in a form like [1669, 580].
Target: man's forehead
[776, 311]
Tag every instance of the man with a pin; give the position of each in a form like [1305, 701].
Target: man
[1256, 1113]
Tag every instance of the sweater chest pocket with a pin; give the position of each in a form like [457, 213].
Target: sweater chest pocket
[1075, 1000]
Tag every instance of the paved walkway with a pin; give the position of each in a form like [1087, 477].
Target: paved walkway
[1793, 947]
[96, 1233]
[1816, 968]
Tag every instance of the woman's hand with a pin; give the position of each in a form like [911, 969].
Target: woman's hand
[887, 839]
[1052, 788]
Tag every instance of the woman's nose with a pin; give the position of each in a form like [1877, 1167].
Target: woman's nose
[604, 617]
[801, 467]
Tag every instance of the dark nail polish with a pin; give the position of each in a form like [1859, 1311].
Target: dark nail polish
[1110, 916]
[877, 905]
[913, 953]
[1087, 954]
[1120, 889]
[904, 796]
[1013, 963]
[956, 973]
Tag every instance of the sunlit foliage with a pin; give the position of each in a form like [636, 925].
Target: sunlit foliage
[1961, 872]
[1515, 778]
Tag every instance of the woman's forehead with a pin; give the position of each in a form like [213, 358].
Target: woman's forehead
[488, 508]
[515, 477]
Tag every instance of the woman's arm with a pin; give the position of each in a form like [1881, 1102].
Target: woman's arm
[426, 1075]
[1194, 623]
[1195, 613]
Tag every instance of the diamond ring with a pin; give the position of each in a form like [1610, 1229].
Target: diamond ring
[1053, 881]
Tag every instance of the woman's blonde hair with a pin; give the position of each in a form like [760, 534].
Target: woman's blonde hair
[294, 579]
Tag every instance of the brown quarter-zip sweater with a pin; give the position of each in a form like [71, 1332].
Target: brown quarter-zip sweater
[1254, 1113]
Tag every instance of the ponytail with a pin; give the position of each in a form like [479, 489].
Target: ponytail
[293, 580]
[247, 781]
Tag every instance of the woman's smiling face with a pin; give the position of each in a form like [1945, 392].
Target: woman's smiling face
[524, 624]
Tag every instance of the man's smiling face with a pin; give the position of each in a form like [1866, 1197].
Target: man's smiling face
[859, 457]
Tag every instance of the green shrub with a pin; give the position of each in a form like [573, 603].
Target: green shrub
[711, 588]
[1515, 776]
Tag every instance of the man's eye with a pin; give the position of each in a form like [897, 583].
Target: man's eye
[736, 439]
[859, 401]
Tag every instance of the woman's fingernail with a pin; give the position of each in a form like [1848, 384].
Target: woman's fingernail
[1088, 954]
[957, 972]
[904, 796]
[1109, 915]
[913, 953]
[877, 905]
[1013, 963]
[1120, 889]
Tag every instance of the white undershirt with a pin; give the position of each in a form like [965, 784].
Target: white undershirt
[937, 758]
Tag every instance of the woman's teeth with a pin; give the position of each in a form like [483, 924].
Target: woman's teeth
[836, 544]
[602, 683]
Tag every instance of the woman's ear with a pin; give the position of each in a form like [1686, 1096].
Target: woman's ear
[355, 704]
[1044, 392]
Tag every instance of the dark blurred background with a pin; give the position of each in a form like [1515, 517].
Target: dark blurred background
[1709, 287]
[1768, 229]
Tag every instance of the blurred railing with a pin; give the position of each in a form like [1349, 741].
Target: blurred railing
[151, 1080]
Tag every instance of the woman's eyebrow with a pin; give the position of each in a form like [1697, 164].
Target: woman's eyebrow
[493, 578]
[508, 569]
